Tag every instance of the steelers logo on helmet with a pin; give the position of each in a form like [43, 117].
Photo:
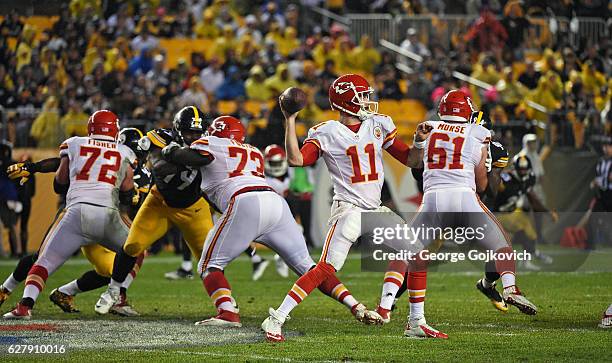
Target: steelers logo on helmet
[188, 125]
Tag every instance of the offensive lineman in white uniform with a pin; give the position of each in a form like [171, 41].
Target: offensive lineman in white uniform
[352, 150]
[233, 181]
[97, 173]
[454, 171]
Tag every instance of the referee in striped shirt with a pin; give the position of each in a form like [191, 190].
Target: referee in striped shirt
[603, 180]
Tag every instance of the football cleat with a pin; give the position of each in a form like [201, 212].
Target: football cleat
[21, 312]
[513, 296]
[545, 259]
[225, 319]
[179, 274]
[493, 295]
[384, 314]
[530, 266]
[4, 294]
[606, 321]
[109, 298]
[63, 301]
[281, 266]
[273, 325]
[420, 329]
[259, 268]
[123, 308]
[368, 317]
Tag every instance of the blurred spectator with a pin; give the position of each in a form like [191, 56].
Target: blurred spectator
[241, 113]
[142, 63]
[511, 93]
[212, 76]
[250, 28]
[96, 102]
[271, 13]
[515, 23]
[487, 32]
[288, 42]
[46, 127]
[365, 56]
[206, 28]
[11, 26]
[194, 95]
[329, 71]
[390, 85]
[603, 180]
[144, 41]
[232, 87]
[256, 89]
[411, 43]
[530, 77]
[74, 122]
[280, 81]
[158, 75]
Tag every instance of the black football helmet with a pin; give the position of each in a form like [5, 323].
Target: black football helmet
[522, 167]
[479, 119]
[188, 125]
[129, 136]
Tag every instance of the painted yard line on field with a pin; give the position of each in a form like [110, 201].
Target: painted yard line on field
[250, 356]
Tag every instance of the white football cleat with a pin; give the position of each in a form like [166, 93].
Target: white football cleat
[385, 314]
[259, 268]
[368, 317]
[281, 266]
[21, 312]
[513, 296]
[225, 319]
[420, 329]
[109, 298]
[123, 308]
[273, 326]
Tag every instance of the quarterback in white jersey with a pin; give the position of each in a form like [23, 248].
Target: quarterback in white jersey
[233, 181]
[352, 150]
[97, 172]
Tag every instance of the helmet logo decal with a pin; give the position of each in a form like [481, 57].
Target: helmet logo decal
[196, 122]
[343, 87]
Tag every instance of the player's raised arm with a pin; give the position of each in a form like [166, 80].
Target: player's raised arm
[415, 155]
[61, 182]
[294, 155]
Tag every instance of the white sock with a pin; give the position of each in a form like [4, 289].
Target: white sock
[508, 279]
[387, 297]
[115, 284]
[285, 308]
[186, 265]
[31, 291]
[256, 258]
[128, 281]
[10, 284]
[71, 288]
[350, 301]
[417, 310]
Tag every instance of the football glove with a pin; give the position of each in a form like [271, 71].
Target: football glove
[21, 171]
[168, 150]
[489, 160]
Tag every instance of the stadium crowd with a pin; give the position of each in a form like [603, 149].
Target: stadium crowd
[109, 56]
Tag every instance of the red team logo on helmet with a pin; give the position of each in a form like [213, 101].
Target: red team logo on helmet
[275, 160]
[227, 127]
[103, 124]
[350, 93]
[455, 106]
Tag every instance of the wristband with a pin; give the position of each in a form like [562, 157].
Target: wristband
[418, 144]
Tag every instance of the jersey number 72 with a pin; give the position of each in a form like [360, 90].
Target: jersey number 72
[108, 172]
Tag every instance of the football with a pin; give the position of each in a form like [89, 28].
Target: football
[293, 100]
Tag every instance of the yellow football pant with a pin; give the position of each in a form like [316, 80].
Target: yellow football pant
[518, 221]
[155, 218]
[100, 257]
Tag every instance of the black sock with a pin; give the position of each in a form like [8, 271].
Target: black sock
[90, 280]
[27, 301]
[122, 266]
[491, 273]
[186, 253]
[250, 251]
[23, 267]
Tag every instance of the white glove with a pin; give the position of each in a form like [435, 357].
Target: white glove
[168, 150]
[489, 160]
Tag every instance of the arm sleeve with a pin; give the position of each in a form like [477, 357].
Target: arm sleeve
[310, 153]
[399, 150]
[389, 131]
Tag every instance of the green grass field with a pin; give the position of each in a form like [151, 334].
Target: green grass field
[565, 329]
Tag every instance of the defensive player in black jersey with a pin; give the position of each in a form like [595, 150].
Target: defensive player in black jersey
[174, 200]
[100, 257]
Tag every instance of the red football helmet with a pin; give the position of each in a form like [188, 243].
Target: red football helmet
[455, 106]
[227, 127]
[103, 124]
[275, 160]
[350, 93]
